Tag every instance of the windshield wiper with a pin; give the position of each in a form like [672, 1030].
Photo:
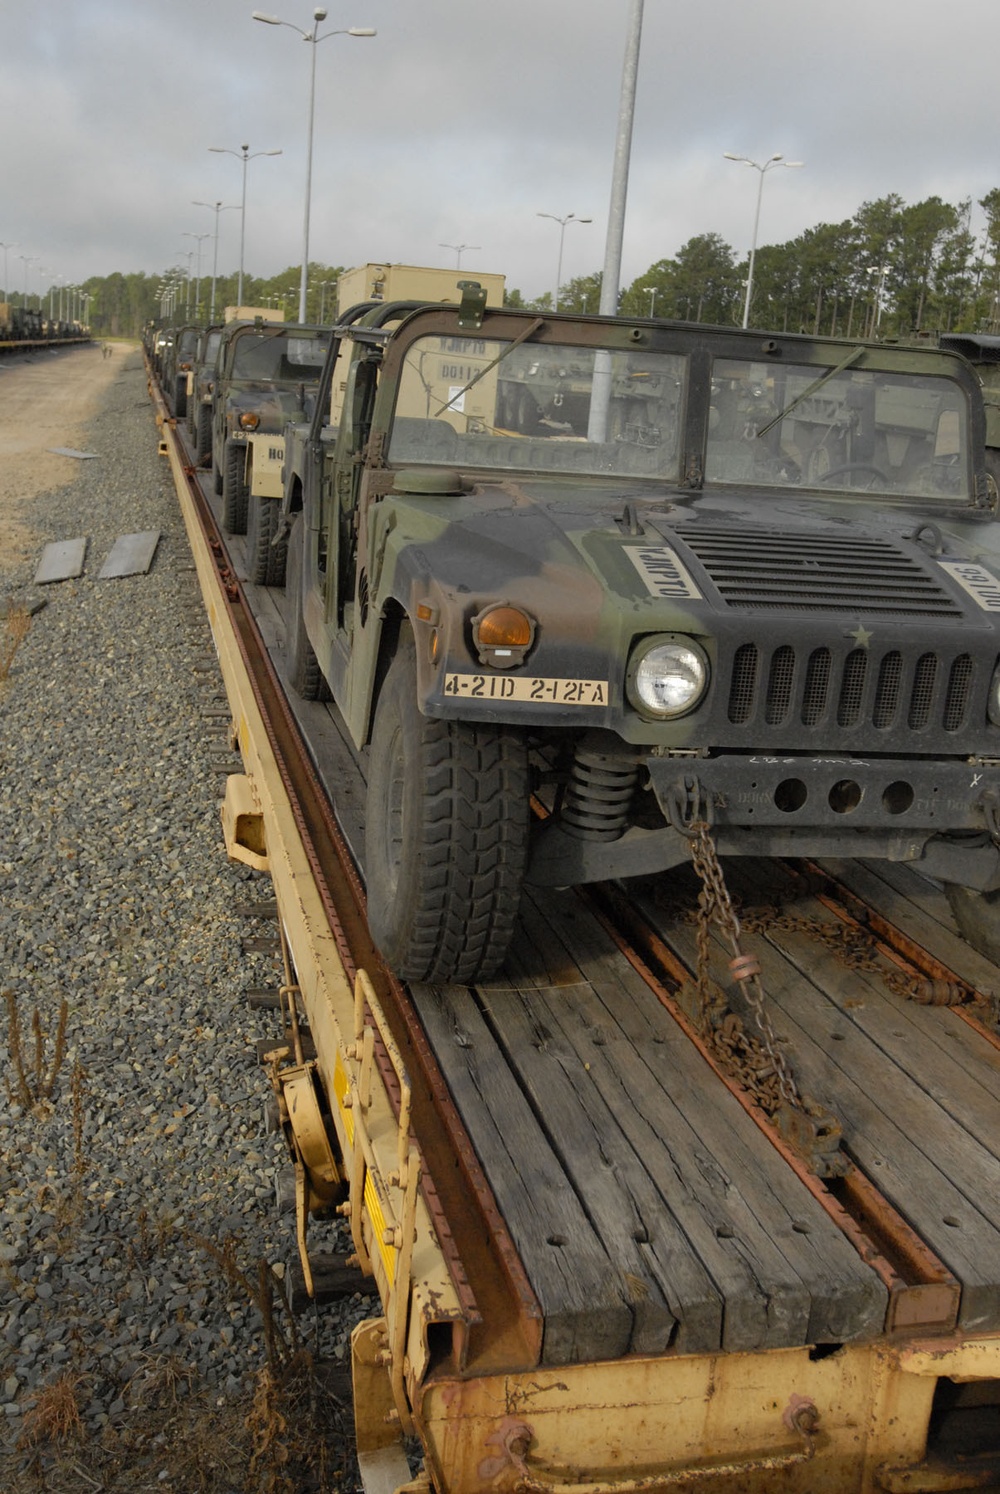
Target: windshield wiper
[528, 332]
[831, 373]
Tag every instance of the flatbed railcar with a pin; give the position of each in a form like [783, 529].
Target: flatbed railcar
[600, 1267]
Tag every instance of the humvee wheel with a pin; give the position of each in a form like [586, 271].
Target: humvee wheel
[203, 446]
[978, 917]
[180, 398]
[265, 560]
[301, 664]
[234, 490]
[446, 835]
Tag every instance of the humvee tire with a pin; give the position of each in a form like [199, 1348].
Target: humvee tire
[203, 446]
[302, 667]
[234, 490]
[978, 917]
[446, 835]
[266, 561]
[180, 398]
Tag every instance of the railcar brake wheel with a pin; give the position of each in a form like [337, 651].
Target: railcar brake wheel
[446, 835]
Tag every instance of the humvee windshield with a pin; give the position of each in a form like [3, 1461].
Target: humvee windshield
[853, 429]
[483, 403]
[273, 356]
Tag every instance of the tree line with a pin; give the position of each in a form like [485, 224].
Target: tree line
[891, 270]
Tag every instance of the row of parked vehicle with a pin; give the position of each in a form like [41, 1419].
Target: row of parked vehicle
[250, 375]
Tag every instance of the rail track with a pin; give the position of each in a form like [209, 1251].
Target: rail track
[725, 1168]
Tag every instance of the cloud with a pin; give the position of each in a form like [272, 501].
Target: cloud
[464, 119]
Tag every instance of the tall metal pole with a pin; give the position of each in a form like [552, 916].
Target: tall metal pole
[217, 208]
[600, 400]
[319, 14]
[6, 282]
[763, 168]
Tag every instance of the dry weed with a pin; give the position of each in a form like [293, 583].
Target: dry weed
[55, 1415]
[33, 1088]
[12, 634]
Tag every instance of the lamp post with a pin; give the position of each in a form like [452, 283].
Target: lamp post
[763, 168]
[569, 218]
[459, 251]
[245, 155]
[6, 281]
[319, 14]
[880, 271]
[197, 284]
[217, 208]
[29, 259]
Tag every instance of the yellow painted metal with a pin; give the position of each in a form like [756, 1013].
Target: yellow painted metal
[243, 823]
[423, 1295]
[853, 1420]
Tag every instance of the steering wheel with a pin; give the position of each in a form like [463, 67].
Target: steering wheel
[855, 467]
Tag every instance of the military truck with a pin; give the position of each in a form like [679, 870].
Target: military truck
[177, 366]
[752, 581]
[266, 375]
[200, 387]
[276, 462]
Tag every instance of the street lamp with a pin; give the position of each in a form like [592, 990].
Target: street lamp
[245, 154]
[6, 282]
[881, 271]
[775, 160]
[186, 234]
[217, 208]
[29, 259]
[319, 14]
[459, 250]
[569, 218]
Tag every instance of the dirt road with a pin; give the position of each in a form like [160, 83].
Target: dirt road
[46, 400]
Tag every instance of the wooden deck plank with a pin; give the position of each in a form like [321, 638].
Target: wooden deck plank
[921, 911]
[676, 1302]
[904, 1139]
[586, 1308]
[760, 1233]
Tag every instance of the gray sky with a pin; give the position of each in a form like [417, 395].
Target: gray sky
[464, 119]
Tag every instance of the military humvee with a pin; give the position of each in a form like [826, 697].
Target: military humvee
[200, 387]
[265, 376]
[731, 577]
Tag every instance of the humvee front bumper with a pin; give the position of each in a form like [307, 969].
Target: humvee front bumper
[944, 815]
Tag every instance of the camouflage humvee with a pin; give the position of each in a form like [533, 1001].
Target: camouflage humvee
[746, 578]
[266, 375]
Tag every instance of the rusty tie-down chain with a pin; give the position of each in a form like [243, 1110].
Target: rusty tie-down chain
[813, 1131]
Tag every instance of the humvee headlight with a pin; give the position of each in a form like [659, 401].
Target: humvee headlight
[502, 635]
[249, 420]
[667, 678]
[993, 699]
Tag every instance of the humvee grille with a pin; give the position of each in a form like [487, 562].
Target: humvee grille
[756, 568]
[788, 688]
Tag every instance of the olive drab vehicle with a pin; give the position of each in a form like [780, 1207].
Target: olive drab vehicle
[644, 574]
[266, 375]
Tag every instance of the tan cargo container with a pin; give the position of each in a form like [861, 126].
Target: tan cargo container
[412, 283]
[252, 314]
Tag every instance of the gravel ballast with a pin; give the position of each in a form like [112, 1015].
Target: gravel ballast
[136, 1175]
